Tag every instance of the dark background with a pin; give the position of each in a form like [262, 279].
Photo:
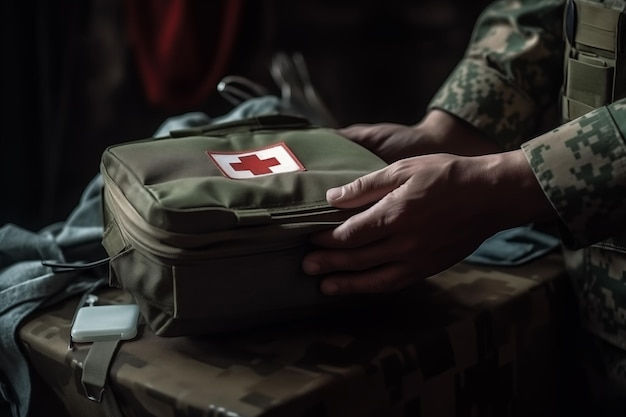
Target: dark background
[71, 84]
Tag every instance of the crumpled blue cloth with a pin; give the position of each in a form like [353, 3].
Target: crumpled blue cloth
[258, 106]
[514, 246]
[26, 285]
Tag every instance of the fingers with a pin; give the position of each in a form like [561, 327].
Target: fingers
[362, 228]
[384, 189]
[360, 192]
[356, 259]
[364, 190]
[383, 279]
[363, 131]
[357, 132]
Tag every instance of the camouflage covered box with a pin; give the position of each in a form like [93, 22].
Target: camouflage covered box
[470, 341]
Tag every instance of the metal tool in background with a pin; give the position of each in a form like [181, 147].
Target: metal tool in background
[297, 92]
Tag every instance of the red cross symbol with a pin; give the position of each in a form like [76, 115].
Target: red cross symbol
[255, 165]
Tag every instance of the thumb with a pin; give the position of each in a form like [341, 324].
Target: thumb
[362, 191]
[356, 132]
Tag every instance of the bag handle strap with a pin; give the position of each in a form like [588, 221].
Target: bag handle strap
[270, 121]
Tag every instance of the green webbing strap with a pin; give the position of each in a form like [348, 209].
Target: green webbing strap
[596, 25]
[95, 373]
[573, 109]
[589, 82]
[595, 69]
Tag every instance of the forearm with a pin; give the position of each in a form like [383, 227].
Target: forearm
[509, 185]
[438, 132]
[449, 134]
[575, 174]
[511, 71]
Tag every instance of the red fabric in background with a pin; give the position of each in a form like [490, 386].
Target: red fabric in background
[182, 47]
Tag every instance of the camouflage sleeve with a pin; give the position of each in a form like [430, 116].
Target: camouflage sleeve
[581, 167]
[511, 72]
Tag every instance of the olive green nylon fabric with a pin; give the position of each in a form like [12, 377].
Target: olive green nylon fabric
[202, 251]
[174, 185]
[595, 72]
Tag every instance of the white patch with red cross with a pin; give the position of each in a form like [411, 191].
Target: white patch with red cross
[270, 160]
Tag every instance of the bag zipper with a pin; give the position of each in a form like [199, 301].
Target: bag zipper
[147, 238]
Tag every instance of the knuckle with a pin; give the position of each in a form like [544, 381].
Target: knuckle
[397, 172]
[344, 233]
[408, 248]
[376, 281]
[357, 186]
[392, 215]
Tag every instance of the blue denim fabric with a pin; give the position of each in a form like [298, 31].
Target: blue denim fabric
[25, 284]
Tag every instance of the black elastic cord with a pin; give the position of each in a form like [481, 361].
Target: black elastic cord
[68, 267]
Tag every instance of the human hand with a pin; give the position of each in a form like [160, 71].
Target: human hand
[437, 132]
[428, 213]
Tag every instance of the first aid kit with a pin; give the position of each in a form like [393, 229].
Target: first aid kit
[207, 227]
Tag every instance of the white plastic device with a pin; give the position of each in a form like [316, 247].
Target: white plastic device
[105, 322]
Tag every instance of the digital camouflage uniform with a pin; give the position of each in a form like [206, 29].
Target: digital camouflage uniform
[510, 76]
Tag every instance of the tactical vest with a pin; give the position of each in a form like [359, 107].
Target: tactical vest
[595, 59]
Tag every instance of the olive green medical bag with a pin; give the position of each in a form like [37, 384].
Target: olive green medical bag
[207, 228]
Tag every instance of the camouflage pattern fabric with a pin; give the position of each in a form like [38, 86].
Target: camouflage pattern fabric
[512, 70]
[509, 77]
[469, 341]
